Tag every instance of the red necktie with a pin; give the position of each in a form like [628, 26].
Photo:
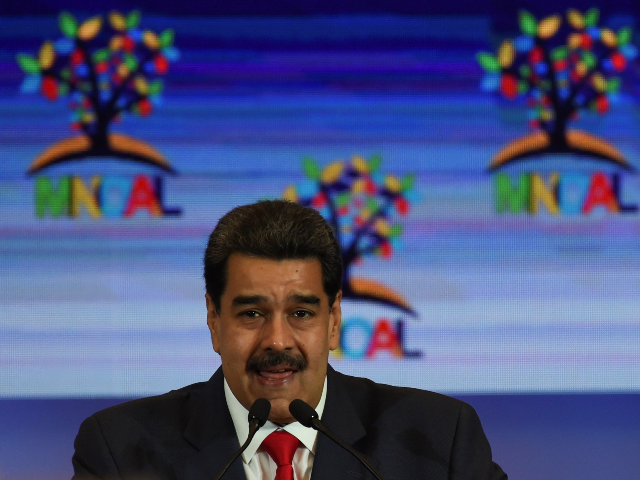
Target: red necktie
[281, 447]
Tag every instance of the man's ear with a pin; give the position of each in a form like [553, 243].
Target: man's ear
[213, 321]
[335, 318]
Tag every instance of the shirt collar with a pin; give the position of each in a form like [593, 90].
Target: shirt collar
[239, 415]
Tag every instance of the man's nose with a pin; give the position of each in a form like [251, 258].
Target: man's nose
[277, 334]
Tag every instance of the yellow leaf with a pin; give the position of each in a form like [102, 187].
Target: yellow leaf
[599, 83]
[392, 183]
[546, 115]
[575, 18]
[150, 39]
[88, 117]
[142, 87]
[608, 38]
[574, 41]
[116, 42]
[117, 20]
[358, 186]
[290, 194]
[581, 68]
[90, 28]
[360, 164]
[365, 214]
[332, 172]
[123, 70]
[47, 55]
[506, 54]
[548, 27]
[382, 227]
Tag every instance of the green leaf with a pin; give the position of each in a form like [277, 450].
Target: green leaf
[559, 53]
[488, 62]
[374, 163]
[613, 84]
[624, 36]
[407, 182]
[525, 71]
[522, 86]
[396, 231]
[28, 64]
[372, 205]
[101, 55]
[68, 25]
[528, 23]
[155, 87]
[131, 62]
[65, 73]
[342, 199]
[589, 59]
[63, 89]
[133, 19]
[310, 168]
[166, 38]
[591, 17]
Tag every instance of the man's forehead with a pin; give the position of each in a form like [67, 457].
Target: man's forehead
[293, 297]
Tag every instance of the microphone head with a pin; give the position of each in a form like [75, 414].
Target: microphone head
[303, 412]
[260, 411]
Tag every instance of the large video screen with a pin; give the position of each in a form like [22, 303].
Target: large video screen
[480, 172]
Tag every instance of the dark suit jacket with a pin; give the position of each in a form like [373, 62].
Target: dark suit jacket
[188, 434]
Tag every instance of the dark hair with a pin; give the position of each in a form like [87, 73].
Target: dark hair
[277, 230]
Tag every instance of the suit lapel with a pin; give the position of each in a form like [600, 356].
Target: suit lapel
[331, 461]
[211, 431]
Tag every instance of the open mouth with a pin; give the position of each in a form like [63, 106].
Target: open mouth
[276, 373]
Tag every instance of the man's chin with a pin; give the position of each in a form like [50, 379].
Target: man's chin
[280, 411]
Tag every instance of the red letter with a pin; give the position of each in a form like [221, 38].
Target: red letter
[600, 193]
[384, 338]
[142, 196]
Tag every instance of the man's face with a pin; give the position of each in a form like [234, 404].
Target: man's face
[274, 331]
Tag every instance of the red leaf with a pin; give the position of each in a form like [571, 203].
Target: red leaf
[49, 88]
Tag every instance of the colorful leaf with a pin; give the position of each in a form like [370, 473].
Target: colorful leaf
[171, 53]
[624, 36]
[549, 26]
[27, 63]
[290, 194]
[150, 40]
[342, 199]
[90, 28]
[101, 55]
[46, 55]
[591, 17]
[166, 38]
[30, 84]
[488, 62]
[407, 182]
[133, 19]
[68, 25]
[506, 54]
[155, 87]
[310, 168]
[575, 18]
[392, 183]
[332, 172]
[374, 163]
[396, 230]
[559, 53]
[609, 38]
[117, 21]
[528, 23]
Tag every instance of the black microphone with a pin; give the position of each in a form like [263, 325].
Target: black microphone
[307, 416]
[258, 415]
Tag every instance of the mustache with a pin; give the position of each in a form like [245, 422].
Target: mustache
[274, 359]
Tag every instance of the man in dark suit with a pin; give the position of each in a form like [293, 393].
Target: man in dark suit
[273, 277]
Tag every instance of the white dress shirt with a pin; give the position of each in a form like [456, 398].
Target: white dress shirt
[257, 463]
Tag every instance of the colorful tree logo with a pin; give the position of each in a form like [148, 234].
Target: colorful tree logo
[361, 204]
[560, 69]
[106, 69]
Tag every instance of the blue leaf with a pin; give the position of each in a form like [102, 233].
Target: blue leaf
[307, 188]
[490, 82]
[594, 32]
[523, 43]
[30, 84]
[629, 51]
[171, 53]
[63, 45]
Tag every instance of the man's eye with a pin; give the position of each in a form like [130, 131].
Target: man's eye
[250, 314]
[301, 314]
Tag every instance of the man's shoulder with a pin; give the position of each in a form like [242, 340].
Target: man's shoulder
[371, 398]
[165, 407]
